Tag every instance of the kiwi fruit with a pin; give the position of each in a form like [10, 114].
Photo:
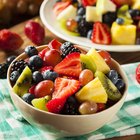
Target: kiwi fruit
[111, 89]
[23, 83]
[87, 62]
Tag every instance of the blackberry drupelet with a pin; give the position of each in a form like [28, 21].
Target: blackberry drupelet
[71, 106]
[84, 27]
[3, 70]
[18, 65]
[10, 59]
[67, 48]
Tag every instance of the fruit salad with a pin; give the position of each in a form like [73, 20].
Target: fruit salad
[104, 22]
[64, 79]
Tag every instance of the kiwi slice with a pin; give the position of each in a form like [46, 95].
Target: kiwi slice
[23, 83]
[111, 89]
[87, 62]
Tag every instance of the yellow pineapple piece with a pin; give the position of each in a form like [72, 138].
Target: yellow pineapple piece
[123, 34]
[136, 4]
[93, 91]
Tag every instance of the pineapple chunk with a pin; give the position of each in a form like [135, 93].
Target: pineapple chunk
[123, 34]
[91, 14]
[93, 91]
[136, 4]
[99, 61]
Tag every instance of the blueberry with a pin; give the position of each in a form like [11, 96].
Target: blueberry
[113, 76]
[120, 84]
[81, 11]
[120, 21]
[50, 75]
[78, 18]
[28, 97]
[10, 59]
[35, 61]
[14, 76]
[31, 50]
[89, 34]
[134, 12]
[37, 77]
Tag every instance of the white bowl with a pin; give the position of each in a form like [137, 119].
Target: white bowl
[66, 125]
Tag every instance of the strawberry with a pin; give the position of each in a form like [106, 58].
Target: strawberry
[35, 32]
[100, 34]
[138, 73]
[55, 105]
[122, 2]
[60, 6]
[63, 88]
[54, 44]
[70, 65]
[88, 2]
[9, 41]
[45, 68]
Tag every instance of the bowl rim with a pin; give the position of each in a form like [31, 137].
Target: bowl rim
[63, 115]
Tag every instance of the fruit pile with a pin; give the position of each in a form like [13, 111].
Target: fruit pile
[102, 21]
[64, 79]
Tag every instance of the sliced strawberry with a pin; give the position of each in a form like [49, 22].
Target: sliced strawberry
[54, 44]
[45, 68]
[63, 88]
[100, 34]
[55, 105]
[88, 2]
[70, 65]
[122, 2]
[60, 6]
[42, 53]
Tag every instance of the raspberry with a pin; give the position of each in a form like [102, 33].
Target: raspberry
[35, 32]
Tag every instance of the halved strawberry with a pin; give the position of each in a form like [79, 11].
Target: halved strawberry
[122, 2]
[60, 6]
[88, 2]
[55, 105]
[100, 34]
[70, 65]
[54, 44]
[63, 88]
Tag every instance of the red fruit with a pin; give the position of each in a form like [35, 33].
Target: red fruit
[52, 57]
[54, 44]
[70, 65]
[9, 41]
[122, 2]
[31, 89]
[138, 73]
[100, 106]
[88, 2]
[35, 32]
[100, 34]
[43, 88]
[45, 68]
[63, 88]
[106, 56]
[42, 53]
[55, 105]
[60, 6]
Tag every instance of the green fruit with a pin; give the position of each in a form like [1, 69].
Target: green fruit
[23, 83]
[40, 103]
[124, 14]
[87, 62]
[93, 91]
[98, 60]
[110, 88]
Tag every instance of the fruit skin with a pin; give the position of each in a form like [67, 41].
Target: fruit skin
[88, 2]
[41, 54]
[31, 50]
[138, 73]
[28, 97]
[120, 33]
[9, 41]
[43, 88]
[100, 34]
[37, 77]
[35, 32]
[70, 65]
[10, 59]
[50, 75]
[45, 68]
[93, 91]
[122, 2]
[113, 76]
[55, 44]
[14, 76]
[55, 105]
[63, 88]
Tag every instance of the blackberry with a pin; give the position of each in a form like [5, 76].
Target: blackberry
[18, 65]
[71, 106]
[10, 59]
[67, 48]
[84, 27]
[3, 70]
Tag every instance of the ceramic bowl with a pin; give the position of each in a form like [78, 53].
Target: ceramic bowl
[66, 125]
